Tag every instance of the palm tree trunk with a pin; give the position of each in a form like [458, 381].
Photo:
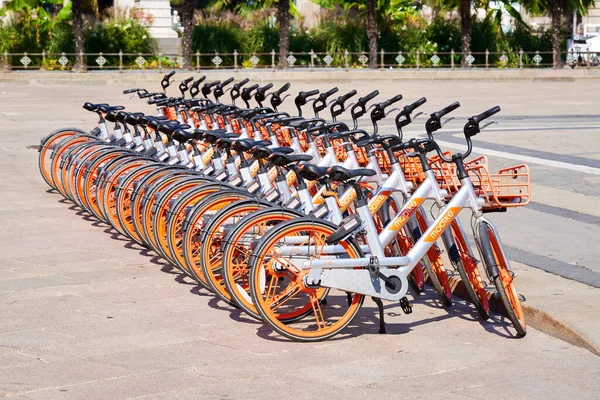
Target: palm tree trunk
[556, 13]
[372, 32]
[78, 35]
[188, 29]
[465, 27]
[283, 17]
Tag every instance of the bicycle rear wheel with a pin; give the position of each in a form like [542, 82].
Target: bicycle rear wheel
[279, 290]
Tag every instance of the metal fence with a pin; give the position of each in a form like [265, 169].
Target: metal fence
[309, 60]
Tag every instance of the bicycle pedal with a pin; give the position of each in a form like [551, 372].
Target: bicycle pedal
[406, 306]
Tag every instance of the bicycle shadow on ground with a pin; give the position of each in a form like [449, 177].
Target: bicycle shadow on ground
[367, 321]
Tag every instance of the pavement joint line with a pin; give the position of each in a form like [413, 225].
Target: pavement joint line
[564, 213]
[553, 266]
[524, 158]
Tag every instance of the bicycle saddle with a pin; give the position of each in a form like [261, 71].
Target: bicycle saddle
[211, 136]
[341, 174]
[281, 159]
[312, 172]
[92, 107]
[248, 144]
[262, 152]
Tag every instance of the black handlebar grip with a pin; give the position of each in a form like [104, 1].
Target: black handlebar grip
[128, 91]
[411, 107]
[330, 92]
[200, 80]
[170, 74]
[369, 97]
[265, 88]
[188, 80]
[241, 83]
[348, 95]
[486, 114]
[282, 89]
[391, 101]
[310, 93]
[448, 109]
[211, 84]
[226, 82]
[251, 88]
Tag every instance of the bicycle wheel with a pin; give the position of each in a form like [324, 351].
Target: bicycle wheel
[158, 233]
[47, 147]
[462, 259]
[496, 262]
[279, 291]
[236, 250]
[194, 230]
[124, 193]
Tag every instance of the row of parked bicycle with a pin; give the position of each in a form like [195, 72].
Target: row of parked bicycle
[294, 220]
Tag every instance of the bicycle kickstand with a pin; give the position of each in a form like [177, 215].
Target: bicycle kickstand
[381, 315]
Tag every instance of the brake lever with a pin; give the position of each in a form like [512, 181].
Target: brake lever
[446, 121]
[418, 115]
[330, 103]
[371, 106]
[392, 110]
[488, 124]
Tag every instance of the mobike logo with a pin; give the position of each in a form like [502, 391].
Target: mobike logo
[434, 232]
[401, 219]
[254, 168]
[208, 156]
[319, 198]
[290, 178]
[377, 201]
[272, 174]
[347, 199]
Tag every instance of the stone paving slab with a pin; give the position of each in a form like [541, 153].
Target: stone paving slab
[83, 316]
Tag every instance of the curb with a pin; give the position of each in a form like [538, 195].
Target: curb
[534, 317]
[301, 74]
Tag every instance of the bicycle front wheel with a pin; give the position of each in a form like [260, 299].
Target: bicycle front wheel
[494, 258]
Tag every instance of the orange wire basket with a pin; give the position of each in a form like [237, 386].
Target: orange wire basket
[510, 187]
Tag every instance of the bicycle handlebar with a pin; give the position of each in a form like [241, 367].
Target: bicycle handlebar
[282, 89]
[447, 110]
[411, 107]
[391, 101]
[486, 114]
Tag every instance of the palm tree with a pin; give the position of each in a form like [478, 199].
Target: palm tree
[283, 18]
[78, 35]
[188, 30]
[465, 30]
[557, 9]
[372, 32]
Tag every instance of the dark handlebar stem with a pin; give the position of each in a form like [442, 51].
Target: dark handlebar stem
[195, 88]
[360, 108]
[247, 94]
[165, 83]
[208, 87]
[218, 92]
[321, 102]
[404, 117]
[276, 99]
[339, 106]
[260, 94]
[301, 99]
[378, 112]
[235, 90]
[183, 86]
